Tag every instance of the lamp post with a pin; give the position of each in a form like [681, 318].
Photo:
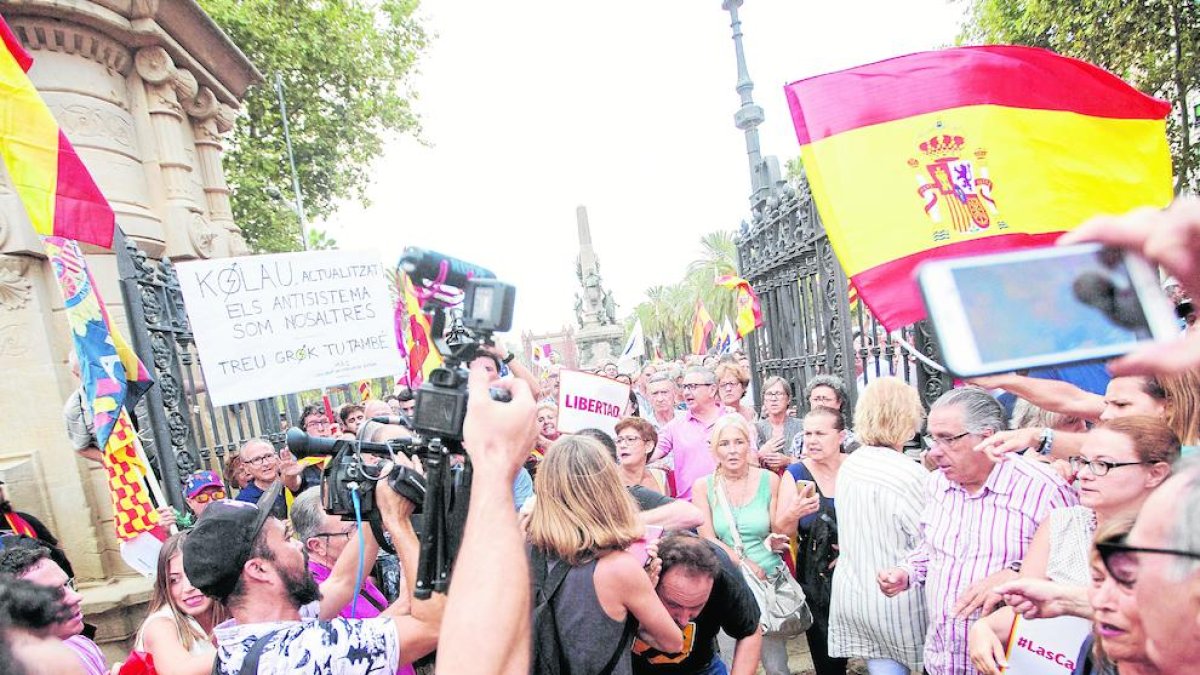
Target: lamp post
[764, 173]
[287, 140]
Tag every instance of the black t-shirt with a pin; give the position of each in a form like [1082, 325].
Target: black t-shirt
[648, 499]
[731, 607]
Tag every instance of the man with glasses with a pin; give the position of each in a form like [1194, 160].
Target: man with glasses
[261, 460]
[976, 526]
[685, 438]
[33, 564]
[1160, 560]
[325, 538]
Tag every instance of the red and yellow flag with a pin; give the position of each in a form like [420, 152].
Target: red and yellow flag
[749, 311]
[413, 332]
[58, 192]
[702, 327]
[966, 151]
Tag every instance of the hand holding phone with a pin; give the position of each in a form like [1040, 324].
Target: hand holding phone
[1043, 307]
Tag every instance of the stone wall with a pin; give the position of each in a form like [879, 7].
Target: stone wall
[145, 91]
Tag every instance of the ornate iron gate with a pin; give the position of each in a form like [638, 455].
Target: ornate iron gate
[810, 326]
[181, 429]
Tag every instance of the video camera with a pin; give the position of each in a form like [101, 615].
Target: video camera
[475, 306]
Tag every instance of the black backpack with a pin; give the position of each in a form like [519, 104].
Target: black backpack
[548, 655]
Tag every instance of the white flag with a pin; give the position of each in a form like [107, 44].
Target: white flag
[728, 338]
[636, 346]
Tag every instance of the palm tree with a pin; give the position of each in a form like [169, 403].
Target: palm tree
[719, 258]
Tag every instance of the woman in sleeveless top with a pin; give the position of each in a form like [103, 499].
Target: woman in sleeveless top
[178, 631]
[585, 518]
[1119, 465]
[747, 495]
[817, 552]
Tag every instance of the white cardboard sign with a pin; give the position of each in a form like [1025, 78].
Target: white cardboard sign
[587, 401]
[275, 324]
[1045, 646]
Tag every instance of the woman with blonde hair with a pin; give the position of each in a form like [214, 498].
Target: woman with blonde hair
[178, 631]
[880, 496]
[584, 519]
[744, 507]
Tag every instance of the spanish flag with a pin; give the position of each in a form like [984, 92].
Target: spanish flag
[702, 328]
[967, 151]
[59, 194]
[749, 311]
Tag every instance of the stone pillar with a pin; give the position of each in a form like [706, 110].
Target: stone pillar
[143, 89]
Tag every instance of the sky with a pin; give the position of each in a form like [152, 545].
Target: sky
[532, 109]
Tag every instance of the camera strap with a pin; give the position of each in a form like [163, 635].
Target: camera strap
[250, 663]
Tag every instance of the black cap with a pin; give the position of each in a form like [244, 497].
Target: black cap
[217, 548]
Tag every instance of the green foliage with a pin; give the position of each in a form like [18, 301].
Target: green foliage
[1152, 44]
[668, 312]
[319, 240]
[345, 66]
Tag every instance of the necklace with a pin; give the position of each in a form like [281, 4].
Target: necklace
[736, 499]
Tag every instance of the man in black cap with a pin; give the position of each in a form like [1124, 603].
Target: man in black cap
[242, 556]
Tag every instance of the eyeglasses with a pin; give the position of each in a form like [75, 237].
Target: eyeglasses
[692, 386]
[933, 441]
[729, 386]
[205, 497]
[258, 461]
[327, 535]
[1121, 562]
[70, 584]
[775, 394]
[823, 400]
[320, 424]
[626, 440]
[1098, 467]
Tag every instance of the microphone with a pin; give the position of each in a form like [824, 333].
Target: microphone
[302, 445]
[422, 263]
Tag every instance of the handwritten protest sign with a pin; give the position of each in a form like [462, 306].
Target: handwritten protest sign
[1045, 646]
[274, 324]
[587, 401]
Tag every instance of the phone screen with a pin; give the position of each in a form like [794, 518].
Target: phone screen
[1082, 302]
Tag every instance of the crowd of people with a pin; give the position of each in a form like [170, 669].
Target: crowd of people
[683, 541]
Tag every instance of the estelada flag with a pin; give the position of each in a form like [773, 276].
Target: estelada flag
[58, 192]
[113, 379]
[749, 311]
[966, 151]
[702, 328]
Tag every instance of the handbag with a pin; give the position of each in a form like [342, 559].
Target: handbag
[785, 612]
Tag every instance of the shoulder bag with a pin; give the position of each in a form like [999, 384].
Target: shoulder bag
[784, 610]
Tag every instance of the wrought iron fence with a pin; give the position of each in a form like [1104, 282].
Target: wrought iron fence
[810, 326]
[182, 430]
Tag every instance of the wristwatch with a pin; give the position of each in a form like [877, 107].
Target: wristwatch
[508, 359]
[1047, 443]
[1015, 566]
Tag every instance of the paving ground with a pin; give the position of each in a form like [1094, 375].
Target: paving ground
[800, 662]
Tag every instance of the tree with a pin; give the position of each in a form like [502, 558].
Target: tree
[1153, 44]
[719, 259]
[345, 66]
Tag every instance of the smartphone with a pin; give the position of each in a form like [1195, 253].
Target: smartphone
[806, 488]
[1042, 307]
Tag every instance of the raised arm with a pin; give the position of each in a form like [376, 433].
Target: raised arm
[1052, 395]
[489, 606]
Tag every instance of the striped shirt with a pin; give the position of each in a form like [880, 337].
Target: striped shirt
[880, 497]
[89, 655]
[968, 537]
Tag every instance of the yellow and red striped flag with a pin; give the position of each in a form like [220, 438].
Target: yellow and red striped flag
[413, 332]
[966, 151]
[749, 311]
[702, 327]
[59, 194]
[113, 378]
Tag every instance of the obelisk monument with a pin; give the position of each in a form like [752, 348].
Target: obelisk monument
[599, 337]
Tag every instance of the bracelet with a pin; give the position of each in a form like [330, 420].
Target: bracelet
[508, 359]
